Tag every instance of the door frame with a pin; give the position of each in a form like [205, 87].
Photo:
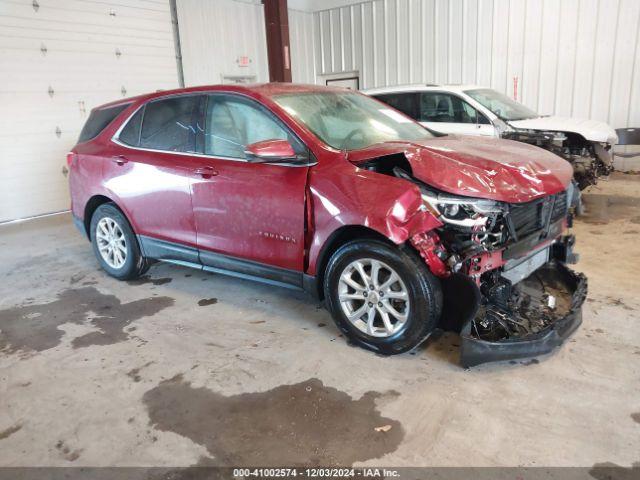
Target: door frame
[182, 254]
[233, 264]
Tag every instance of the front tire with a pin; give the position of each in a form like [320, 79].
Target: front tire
[115, 245]
[382, 297]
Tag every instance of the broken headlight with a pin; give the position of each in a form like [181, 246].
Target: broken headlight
[462, 211]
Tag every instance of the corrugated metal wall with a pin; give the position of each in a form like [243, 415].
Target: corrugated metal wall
[301, 40]
[572, 57]
[214, 35]
[58, 60]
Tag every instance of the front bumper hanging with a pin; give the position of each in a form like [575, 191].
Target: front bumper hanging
[531, 318]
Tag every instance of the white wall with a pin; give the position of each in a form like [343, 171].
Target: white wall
[572, 57]
[214, 34]
[81, 68]
[302, 41]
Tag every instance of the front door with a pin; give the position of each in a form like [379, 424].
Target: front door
[250, 217]
[447, 113]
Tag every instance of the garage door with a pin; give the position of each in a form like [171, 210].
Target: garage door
[59, 59]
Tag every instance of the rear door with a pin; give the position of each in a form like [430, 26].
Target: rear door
[151, 173]
[249, 216]
[448, 113]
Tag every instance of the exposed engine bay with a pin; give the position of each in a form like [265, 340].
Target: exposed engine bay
[524, 309]
[589, 160]
[506, 288]
[529, 318]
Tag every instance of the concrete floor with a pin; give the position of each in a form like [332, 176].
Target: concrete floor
[187, 367]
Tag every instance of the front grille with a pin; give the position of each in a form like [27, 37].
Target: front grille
[532, 216]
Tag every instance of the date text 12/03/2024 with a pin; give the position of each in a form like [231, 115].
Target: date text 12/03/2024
[314, 473]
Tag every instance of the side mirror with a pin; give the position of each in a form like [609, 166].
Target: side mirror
[270, 151]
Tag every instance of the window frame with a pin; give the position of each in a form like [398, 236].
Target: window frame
[126, 105]
[462, 99]
[116, 136]
[261, 108]
[124, 125]
[194, 116]
[200, 116]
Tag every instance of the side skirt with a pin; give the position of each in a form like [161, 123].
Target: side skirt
[163, 250]
[237, 267]
[219, 263]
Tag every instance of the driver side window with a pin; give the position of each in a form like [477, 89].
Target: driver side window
[447, 108]
[233, 123]
[474, 114]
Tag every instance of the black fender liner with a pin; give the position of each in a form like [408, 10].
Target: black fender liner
[461, 301]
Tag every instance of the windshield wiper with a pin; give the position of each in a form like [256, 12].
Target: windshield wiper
[526, 118]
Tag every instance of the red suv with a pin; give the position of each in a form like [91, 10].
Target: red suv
[398, 229]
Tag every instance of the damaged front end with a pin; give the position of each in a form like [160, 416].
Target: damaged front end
[507, 289]
[590, 160]
[523, 320]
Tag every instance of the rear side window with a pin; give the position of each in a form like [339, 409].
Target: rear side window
[169, 124]
[405, 102]
[98, 121]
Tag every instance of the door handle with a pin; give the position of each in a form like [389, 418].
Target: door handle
[119, 159]
[206, 172]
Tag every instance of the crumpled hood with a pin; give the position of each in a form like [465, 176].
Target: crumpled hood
[496, 169]
[591, 130]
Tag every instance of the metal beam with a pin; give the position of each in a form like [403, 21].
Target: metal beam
[277, 26]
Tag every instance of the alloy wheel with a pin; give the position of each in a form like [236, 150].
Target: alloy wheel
[373, 297]
[112, 243]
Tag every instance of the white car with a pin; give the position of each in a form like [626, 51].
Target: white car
[473, 110]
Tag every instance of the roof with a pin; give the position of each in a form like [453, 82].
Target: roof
[419, 87]
[264, 89]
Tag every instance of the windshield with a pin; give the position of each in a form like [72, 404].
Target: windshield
[348, 120]
[501, 105]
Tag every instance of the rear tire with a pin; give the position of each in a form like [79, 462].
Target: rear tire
[115, 245]
[382, 297]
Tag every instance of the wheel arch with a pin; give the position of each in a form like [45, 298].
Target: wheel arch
[92, 205]
[337, 239]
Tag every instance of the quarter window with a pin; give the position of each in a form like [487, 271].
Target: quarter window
[233, 123]
[130, 134]
[169, 124]
[99, 120]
